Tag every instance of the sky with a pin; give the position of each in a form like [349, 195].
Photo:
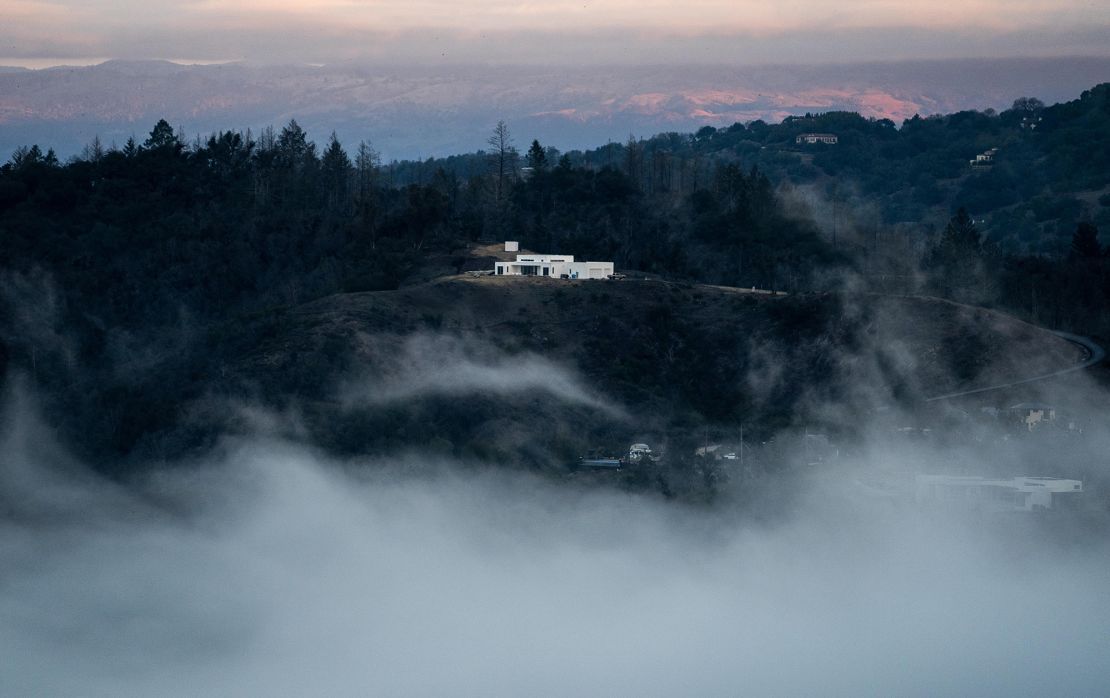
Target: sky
[35, 33]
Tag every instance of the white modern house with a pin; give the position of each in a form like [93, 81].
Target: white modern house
[984, 159]
[966, 493]
[559, 266]
[811, 138]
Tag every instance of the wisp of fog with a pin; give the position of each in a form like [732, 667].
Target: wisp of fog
[270, 569]
[442, 365]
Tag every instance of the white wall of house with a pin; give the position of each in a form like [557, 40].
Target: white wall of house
[816, 138]
[553, 266]
[988, 494]
[590, 270]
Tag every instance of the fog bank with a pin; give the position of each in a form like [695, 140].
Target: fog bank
[441, 365]
[270, 570]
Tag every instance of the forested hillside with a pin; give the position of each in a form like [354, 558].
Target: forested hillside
[1051, 169]
[134, 281]
[118, 266]
[889, 198]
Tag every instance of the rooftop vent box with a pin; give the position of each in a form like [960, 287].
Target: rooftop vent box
[512, 246]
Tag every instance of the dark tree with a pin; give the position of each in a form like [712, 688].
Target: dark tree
[961, 239]
[1084, 242]
[705, 133]
[294, 150]
[536, 157]
[957, 261]
[24, 157]
[163, 138]
[336, 170]
[335, 159]
[1031, 105]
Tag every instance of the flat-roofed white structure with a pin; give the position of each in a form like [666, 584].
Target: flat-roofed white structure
[987, 494]
[811, 138]
[553, 265]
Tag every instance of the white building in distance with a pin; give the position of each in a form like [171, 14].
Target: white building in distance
[558, 266]
[811, 138]
[985, 158]
[1032, 415]
[966, 493]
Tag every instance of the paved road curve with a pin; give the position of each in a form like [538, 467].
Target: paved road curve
[1095, 354]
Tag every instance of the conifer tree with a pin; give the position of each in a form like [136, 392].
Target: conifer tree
[536, 157]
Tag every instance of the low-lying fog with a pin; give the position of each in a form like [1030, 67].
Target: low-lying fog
[271, 570]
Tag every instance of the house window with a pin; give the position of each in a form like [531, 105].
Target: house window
[545, 271]
[500, 270]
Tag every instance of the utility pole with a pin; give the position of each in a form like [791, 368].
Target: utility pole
[741, 447]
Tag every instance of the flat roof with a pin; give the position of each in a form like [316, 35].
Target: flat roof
[1024, 483]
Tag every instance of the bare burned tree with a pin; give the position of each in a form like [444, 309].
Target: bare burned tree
[94, 151]
[501, 156]
[367, 163]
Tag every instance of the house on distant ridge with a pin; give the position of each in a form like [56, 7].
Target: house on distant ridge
[984, 159]
[811, 138]
[558, 266]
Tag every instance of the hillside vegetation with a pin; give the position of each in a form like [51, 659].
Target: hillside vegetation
[1051, 169]
[154, 293]
[534, 373]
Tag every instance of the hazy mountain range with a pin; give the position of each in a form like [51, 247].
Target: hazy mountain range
[409, 112]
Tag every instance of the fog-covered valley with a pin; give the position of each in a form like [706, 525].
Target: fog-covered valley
[266, 567]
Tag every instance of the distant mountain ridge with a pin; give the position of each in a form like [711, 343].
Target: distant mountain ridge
[411, 112]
